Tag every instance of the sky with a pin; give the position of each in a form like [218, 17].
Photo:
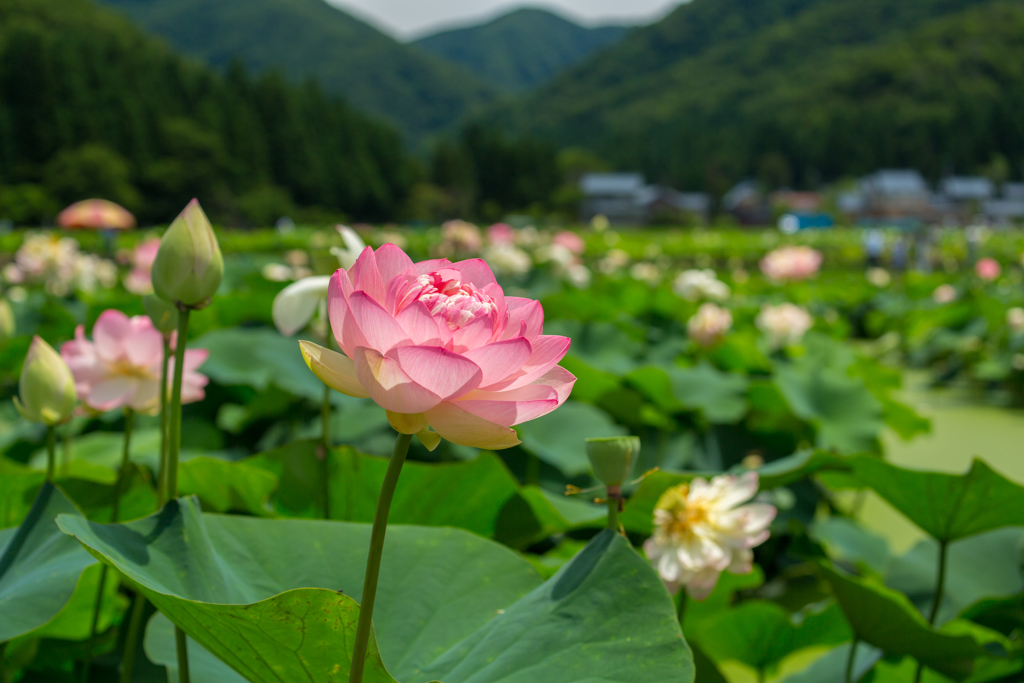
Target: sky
[406, 19]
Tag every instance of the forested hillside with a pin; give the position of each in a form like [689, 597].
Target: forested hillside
[403, 84]
[91, 106]
[797, 91]
[522, 49]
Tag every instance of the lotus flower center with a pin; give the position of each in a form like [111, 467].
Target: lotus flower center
[676, 517]
[444, 295]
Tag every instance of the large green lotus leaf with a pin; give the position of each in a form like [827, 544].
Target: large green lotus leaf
[39, 566]
[534, 514]
[640, 509]
[224, 486]
[105, 449]
[18, 488]
[886, 619]
[559, 438]
[947, 506]
[760, 634]
[718, 395]
[831, 667]
[847, 416]
[74, 622]
[451, 605]
[468, 495]
[847, 541]
[983, 567]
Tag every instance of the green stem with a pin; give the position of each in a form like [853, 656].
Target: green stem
[380, 524]
[532, 476]
[51, 451]
[131, 641]
[681, 608]
[122, 475]
[67, 448]
[850, 660]
[182, 643]
[613, 507]
[161, 477]
[325, 454]
[940, 585]
[174, 420]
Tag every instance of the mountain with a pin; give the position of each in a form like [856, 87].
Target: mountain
[797, 91]
[92, 106]
[521, 49]
[410, 87]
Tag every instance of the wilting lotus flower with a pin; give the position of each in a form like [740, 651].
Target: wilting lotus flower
[138, 280]
[988, 269]
[709, 325]
[295, 305]
[791, 263]
[694, 285]
[1015, 319]
[437, 344]
[570, 241]
[784, 324]
[944, 294]
[701, 529]
[121, 365]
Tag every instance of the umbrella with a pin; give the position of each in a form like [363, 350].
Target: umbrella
[97, 214]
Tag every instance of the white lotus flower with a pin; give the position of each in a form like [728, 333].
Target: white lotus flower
[694, 285]
[701, 529]
[709, 325]
[295, 305]
[785, 324]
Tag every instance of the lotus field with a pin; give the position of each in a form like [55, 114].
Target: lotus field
[483, 455]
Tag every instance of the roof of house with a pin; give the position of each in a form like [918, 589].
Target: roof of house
[896, 182]
[611, 183]
[965, 188]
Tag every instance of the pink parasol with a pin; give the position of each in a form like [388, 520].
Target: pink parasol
[96, 214]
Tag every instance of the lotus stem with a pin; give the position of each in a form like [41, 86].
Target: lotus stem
[174, 419]
[380, 524]
[131, 641]
[614, 499]
[850, 661]
[161, 477]
[681, 608]
[940, 585]
[325, 455]
[51, 451]
[122, 475]
[67, 449]
[182, 643]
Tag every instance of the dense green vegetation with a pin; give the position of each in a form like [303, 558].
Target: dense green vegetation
[797, 91]
[90, 106]
[522, 49]
[309, 38]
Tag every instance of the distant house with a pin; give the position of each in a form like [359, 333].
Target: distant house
[626, 199]
[896, 193]
[1009, 207]
[965, 189]
[746, 202]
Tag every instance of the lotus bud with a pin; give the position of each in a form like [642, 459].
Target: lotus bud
[163, 314]
[7, 326]
[188, 266]
[46, 387]
[613, 458]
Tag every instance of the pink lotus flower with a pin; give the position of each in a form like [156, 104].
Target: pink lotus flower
[138, 280]
[438, 345]
[709, 325]
[701, 529]
[570, 241]
[988, 269]
[501, 234]
[791, 263]
[121, 366]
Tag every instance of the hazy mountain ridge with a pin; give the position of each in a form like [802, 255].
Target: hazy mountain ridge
[418, 91]
[521, 49]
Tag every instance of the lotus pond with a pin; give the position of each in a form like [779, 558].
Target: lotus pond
[824, 485]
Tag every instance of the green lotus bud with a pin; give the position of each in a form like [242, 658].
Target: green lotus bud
[188, 266]
[46, 387]
[163, 313]
[613, 457]
[7, 326]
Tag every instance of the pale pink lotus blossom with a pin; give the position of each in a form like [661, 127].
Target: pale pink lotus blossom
[501, 234]
[791, 263]
[944, 294]
[702, 529]
[709, 325]
[439, 346]
[785, 324]
[121, 366]
[1015, 319]
[459, 237]
[138, 280]
[988, 269]
[570, 241]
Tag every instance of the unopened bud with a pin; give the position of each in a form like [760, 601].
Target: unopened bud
[7, 326]
[188, 266]
[46, 387]
[613, 458]
[163, 314]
